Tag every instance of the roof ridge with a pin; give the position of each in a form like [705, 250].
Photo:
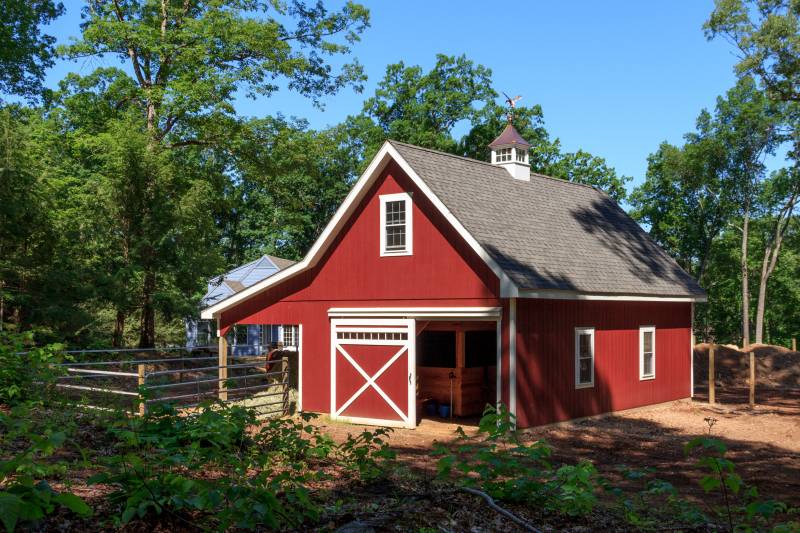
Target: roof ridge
[471, 160]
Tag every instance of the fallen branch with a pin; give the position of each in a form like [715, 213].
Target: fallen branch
[508, 514]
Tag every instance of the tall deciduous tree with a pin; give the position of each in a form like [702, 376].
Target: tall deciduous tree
[25, 53]
[766, 35]
[188, 58]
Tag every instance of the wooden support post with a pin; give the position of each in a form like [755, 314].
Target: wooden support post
[223, 368]
[794, 344]
[285, 381]
[711, 374]
[142, 405]
[457, 402]
[752, 379]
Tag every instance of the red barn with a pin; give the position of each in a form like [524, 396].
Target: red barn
[442, 278]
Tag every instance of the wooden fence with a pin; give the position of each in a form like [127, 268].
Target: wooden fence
[257, 382]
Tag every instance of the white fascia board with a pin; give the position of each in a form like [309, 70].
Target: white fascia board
[574, 295]
[379, 162]
[430, 313]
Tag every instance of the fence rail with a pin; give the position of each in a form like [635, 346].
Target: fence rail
[252, 381]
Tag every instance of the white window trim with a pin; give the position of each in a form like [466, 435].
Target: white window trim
[642, 331]
[578, 333]
[406, 198]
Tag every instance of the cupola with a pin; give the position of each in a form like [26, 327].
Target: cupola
[510, 151]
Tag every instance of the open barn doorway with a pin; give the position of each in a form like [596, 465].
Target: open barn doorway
[456, 368]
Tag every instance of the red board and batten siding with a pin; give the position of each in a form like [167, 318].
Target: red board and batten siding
[546, 357]
[443, 272]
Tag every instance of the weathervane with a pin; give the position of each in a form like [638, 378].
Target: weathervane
[512, 104]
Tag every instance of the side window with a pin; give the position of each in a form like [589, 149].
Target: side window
[584, 357]
[241, 336]
[647, 352]
[396, 224]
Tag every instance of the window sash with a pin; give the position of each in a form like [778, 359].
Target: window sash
[584, 357]
[647, 352]
[395, 222]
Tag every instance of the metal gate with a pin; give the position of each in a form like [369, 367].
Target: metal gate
[373, 371]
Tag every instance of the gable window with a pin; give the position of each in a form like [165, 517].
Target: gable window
[647, 352]
[584, 357]
[396, 227]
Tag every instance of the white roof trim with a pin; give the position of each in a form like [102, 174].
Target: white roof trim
[431, 313]
[552, 294]
[356, 194]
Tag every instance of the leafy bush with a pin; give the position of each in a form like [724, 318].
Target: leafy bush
[24, 376]
[24, 495]
[741, 508]
[499, 463]
[212, 465]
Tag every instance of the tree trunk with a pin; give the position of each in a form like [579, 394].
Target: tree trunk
[119, 330]
[745, 280]
[771, 251]
[147, 329]
[762, 295]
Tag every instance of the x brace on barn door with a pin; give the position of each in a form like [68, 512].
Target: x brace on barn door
[373, 371]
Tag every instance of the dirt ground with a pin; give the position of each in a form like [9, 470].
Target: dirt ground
[763, 442]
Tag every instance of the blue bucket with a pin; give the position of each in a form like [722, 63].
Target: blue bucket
[444, 410]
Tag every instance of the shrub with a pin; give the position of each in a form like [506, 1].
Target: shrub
[741, 509]
[24, 495]
[211, 465]
[499, 463]
[23, 377]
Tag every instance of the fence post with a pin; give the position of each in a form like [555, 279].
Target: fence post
[711, 374]
[285, 378]
[142, 405]
[752, 379]
[794, 344]
[223, 368]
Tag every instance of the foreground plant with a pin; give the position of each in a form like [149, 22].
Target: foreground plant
[25, 495]
[497, 462]
[213, 466]
[742, 509]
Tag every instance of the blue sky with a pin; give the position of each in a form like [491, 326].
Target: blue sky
[614, 78]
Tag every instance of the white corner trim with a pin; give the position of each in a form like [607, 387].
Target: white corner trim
[409, 225]
[578, 332]
[691, 354]
[499, 364]
[642, 331]
[553, 294]
[386, 153]
[429, 313]
[300, 368]
[512, 359]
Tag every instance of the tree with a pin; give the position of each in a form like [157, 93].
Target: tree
[684, 199]
[189, 57]
[766, 35]
[422, 108]
[25, 52]
[290, 181]
[780, 198]
[747, 123]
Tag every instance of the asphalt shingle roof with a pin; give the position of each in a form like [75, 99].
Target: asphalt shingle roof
[550, 234]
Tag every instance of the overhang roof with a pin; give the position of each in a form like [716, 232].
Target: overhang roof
[548, 234]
